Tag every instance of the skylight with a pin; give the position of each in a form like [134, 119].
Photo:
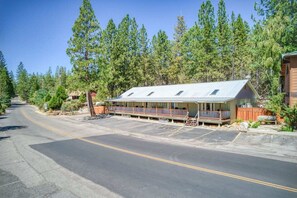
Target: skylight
[180, 92]
[130, 94]
[150, 93]
[215, 92]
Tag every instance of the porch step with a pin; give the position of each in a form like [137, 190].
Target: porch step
[191, 122]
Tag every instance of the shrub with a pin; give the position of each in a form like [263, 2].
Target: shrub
[47, 98]
[255, 125]
[239, 120]
[290, 115]
[55, 103]
[61, 93]
[286, 128]
[82, 98]
[38, 98]
[275, 103]
[70, 106]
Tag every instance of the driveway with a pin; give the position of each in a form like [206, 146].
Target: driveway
[180, 132]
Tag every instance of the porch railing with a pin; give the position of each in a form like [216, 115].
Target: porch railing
[149, 111]
[222, 115]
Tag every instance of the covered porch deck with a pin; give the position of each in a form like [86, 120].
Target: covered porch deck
[213, 117]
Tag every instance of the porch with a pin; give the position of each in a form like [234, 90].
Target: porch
[214, 117]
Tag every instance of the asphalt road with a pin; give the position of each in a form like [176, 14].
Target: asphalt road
[133, 167]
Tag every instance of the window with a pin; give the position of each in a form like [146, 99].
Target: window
[150, 93]
[131, 94]
[180, 92]
[214, 92]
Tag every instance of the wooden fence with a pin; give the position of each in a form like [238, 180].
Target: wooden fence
[247, 114]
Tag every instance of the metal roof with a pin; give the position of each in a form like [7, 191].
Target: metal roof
[289, 54]
[215, 92]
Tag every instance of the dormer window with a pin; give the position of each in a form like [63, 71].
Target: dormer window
[214, 92]
[150, 93]
[180, 92]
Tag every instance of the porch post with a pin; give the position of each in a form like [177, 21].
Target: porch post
[156, 108]
[198, 111]
[133, 107]
[220, 112]
[170, 109]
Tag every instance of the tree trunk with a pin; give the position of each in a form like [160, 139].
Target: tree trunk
[90, 104]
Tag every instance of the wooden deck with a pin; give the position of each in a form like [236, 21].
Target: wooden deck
[212, 117]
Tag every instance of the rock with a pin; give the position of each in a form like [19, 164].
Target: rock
[243, 127]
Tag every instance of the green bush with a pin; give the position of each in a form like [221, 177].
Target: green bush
[286, 128]
[61, 93]
[70, 106]
[38, 98]
[82, 98]
[47, 98]
[255, 124]
[239, 120]
[290, 115]
[55, 103]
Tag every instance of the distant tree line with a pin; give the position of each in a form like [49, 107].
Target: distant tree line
[218, 47]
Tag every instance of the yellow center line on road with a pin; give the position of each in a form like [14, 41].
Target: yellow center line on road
[201, 169]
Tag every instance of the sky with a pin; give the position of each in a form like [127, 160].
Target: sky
[36, 31]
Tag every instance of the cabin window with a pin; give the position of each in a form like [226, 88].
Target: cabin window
[150, 93]
[214, 92]
[131, 94]
[180, 92]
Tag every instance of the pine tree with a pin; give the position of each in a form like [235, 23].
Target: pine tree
[106, 78]
[83, 50]
[146, 67]
[224, 42]
[5, 85]
[48, 81]
[60, 76]
[192, 50]
[240, 49]
[23, 86]
[176, 70]
[120, 56]
[209, 58]
[161, 56]
[134, 55]
[34, 85]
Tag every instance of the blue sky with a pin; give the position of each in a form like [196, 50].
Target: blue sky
[36, 31]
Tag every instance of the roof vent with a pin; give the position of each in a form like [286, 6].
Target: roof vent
[150, 93]
[131, 94]
[180, 92]
[215, 92]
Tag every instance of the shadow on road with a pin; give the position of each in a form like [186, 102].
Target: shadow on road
[9, 128]
[2, 117]
[3, 138]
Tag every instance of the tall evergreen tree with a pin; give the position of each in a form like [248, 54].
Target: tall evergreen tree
[120, 55]
[161, 56]
[176, 69]
[146, 67]
[6, 86]
[192, 52]
[23, 86]
[209, 58]
[106, 73]
[83, 50]
[60, 76]
[240, 47]
[48, 81]
[224, 42]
